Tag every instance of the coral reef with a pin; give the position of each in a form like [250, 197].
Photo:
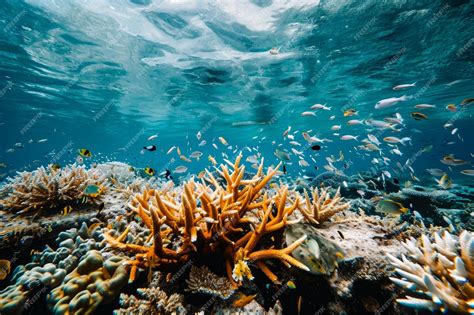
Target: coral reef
[322, 206]
[202, 280]
[151, 301]
[95, 280]
[48, 187]
[208, 216]
[439, 272]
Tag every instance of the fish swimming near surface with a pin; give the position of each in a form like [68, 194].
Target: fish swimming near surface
[404, 86]
[389, 102]
[418, 116]
[150, 148]
[452, 161]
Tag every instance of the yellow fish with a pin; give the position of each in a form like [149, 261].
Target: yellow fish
[85, 153]
[149, 171]
[212, 160]
[290, 284]
[223, 141]
[66, 210]
[5, 268]
[243, 300]
[350, 112]
[391, 207]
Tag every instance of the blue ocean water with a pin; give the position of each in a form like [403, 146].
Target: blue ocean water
[106, 75]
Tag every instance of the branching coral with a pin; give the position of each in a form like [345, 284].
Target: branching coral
[322, 207]
[208, 216]
[47, 187]
[442, 272]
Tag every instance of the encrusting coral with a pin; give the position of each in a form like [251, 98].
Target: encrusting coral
[322, 206]
[439, 272]
[151, 301]
[48, 187]
[207, 216]
[202, 280]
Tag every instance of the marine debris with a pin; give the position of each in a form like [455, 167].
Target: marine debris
[439, 271]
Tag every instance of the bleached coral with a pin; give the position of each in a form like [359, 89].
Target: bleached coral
[439, 272]
[47, 187]
[322, 206]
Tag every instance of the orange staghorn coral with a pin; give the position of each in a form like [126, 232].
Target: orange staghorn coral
[229, 214]
[323, 206]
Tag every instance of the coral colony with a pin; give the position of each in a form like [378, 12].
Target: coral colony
[228, 234]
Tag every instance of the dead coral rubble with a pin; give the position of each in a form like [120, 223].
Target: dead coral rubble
[206, 216]
[439, 272]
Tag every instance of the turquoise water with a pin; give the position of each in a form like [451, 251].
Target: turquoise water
[106, 75]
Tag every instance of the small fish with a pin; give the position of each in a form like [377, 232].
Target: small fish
[450, 160]
[332, 117]
[303, 163]
[166, 174]
[202, 143]
[454, 131]
[350, 112]
[290, 284]
[349, 137]
[468, 172]
[320, 106]
[285, 133]
[152, 137]
[418, 116]
[397, 140]
[55, 166]
[196, 155]
[150, 148]
[10, 151]
[452, 108]
[445, 182]
[180, 169]
[388, 102]
[198, 135]
[274, 51]
[354, 122]
[423, 106]
[19, 145]
[373, 139]
[435, 171]
[282, 155]
[5, 268]
[467, 101]
[42, 140]
[404, 86]
[243, 299]
[308, 114]
[171, 150]
[85, 153]
[390, 207]
[149, 171]
[185, 159]
[336, 127]
[223, 141]
[212, 160]
[66, 210]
